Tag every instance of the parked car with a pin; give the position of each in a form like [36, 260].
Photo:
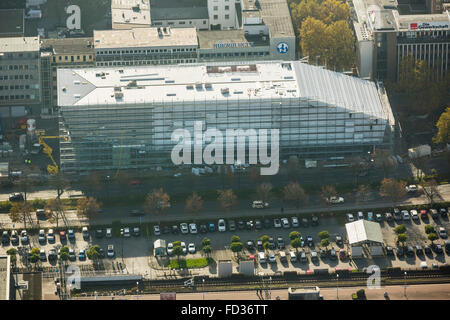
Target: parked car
[193, 228]
[259, 245]
[42, 239]
[427, 250]
[277, 223]
[360, 215]
[62, 235]
[292, 256]
[280, 243]
[437, 248]
[423, 214]
[405, 215]
[203, 228]
[285, 223]
[175, 229]
[110, 251]
[338, 240]
[412, 188]
[414, 215]
[24, 237]
[51, 236]
[333, 255]
[108, 232]
[52, 255]
[211, 227]
[342, 254]
[443, 233]
[42, 255]
[126, 232]
[184, 228]
[370, 216]
[71, 235]
[267, 223]
[249, 225]
[170, 248]
[99, 233]
[157, 230]
[72, 255]
[82, 255]
[241, 225]
[410, 251]
[399, 251]
[136, 232]
[303, 257]
[335, 200]
[419, 250]
[294, 221]
[434, 213]
[389, 251]
[257, 204]
[378, 217]
[40, 213]
[221, 225]
[447, 246]
[271, 243]
[271, 256]
[250, 245]
[397, 215]
[310, 241]
[258, 224]
[5, 238]
[350, 217]
[305, 222]
[443, 212]
[314, 257]
[85, 233]
[231, 225]
[262, 257]
[191, 248]
[183, 246]
[388, 217]
[16, 197]
[314, 220]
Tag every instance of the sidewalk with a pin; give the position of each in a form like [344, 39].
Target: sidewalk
[177, 212]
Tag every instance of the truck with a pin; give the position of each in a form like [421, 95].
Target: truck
[420, 151]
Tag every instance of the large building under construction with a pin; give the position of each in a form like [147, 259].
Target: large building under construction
[123, 118]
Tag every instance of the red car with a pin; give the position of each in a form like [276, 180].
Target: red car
[423, 214]
[62, 235]
[135, 182]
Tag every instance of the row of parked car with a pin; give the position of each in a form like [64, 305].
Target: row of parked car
[400, 215]
[418, 250]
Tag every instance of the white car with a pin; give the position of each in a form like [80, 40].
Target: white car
[193, 228]
[183, 246]
[412, 188]
[277, 223]
[285, 223]
[110, 251]
[292, 256]
[156, 230]
[42, 236]
[360, 215]
[405, 215]
[184, 228]
[170, 248]
[51, 236]
[191, 248]
[335, 200]
[221, 225]
[272, 257]
[443, 233]
[126, 232]
[294, 221]
[258, 204]
[108, 232]
[350, 217]
[414, 215]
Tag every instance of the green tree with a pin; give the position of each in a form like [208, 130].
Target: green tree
[315, 41]
[206, 242]
[325, 242]
[393, 189]
[93, 253]
[12, 253]
[207, 250]
[266, 246]
[34, 255]
[194, 203]
[177, 250]
[334, 11]
[227, 199]
[64, 253]
[157, 201]
[341, 52]
[294, 235]
[401, 237]
[432, 237]
[324, 234]
[88, 207]
[429, 228]
[235, 239]
[236, 247]
[296, 243]
[264, 238]
[400, 229]
[294, 194]
[443, 126]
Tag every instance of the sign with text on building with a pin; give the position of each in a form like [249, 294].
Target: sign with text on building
[234, 45]
[429, 25]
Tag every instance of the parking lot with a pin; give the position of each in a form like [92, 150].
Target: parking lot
[134, 254]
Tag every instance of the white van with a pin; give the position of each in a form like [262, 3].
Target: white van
[262, 257]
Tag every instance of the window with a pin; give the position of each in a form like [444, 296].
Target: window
[216, 17]
[227, 7]
[182, 22]
[227, 16]
[216, 8]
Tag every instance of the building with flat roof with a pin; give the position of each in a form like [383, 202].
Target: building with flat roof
[12, 23]
[180, 14]
[385, 37]
[142, 46]
[20, 86]
[124, 117]
[126, 14]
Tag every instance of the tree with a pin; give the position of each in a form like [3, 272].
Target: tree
[12, 253]
[382, 159]
[34, 255]
[64, 253]
[341, 52]
[294, 235]
[443, 126]
[293, 166]
[235, 239]
[324, 234]
[327, 192]
[315, 41]
[400, 229]
[429, 229]
[236, 247]
[432, 237]
[93, 253]
[401, 237]
[264, 192]
[264, 238]
[194, 203]
[430, 189]
[361, 294]
[393, 189]
[60, 183]
[332, 11]
[206, 242]
[207, 250]
[303, 10]
[227, 199]
[20, 212]
[266, 246]
[26, 185]
[88, 207]
[294, 194]
[325, 243]
[177, 250]
[296, 243]
[364, 193]
[157, 201]
[54, 210]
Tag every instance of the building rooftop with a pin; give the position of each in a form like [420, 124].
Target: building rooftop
[438, 21]
[12, 22]
[19, 44]
[210, 39]
[179, 9]
[69, 45]
[274, 13]
[130, 12]
[217, 81]
[145, 37]
[4, 278]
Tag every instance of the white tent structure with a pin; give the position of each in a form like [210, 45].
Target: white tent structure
[363, 232]
[159, 248]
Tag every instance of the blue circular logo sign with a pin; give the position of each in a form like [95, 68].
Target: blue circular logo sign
[282, 47]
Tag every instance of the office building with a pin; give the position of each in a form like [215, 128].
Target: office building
[127, 14]
[124, 117]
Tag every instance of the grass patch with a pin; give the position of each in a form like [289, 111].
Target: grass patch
[189, 263]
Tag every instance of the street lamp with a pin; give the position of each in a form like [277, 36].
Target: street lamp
[203, 280]
[405, 284]
[337, 286]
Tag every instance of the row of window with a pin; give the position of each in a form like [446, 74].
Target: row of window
[216, 17]
[147, 51]
[15, 87]
[235, 54]
[72, 58]
[17, 77]
[126, 63]
[171, 23]
[19, 97]
[28, 55]
[18, 67]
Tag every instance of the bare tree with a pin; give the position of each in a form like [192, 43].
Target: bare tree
[327, 192]
[194, 203]
[293, 193]
[26, 185]
[382, 159]
[227, 199]
[60, 183]
[157, 201]
[54, 210]
[430, 190]
[20, 212]
[363, 193]
[264, 192]
[393, 189]
[88, 207]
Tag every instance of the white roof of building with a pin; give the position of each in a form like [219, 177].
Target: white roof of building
[363, 231]
[19, 44]
[218, 81]
[123, 14]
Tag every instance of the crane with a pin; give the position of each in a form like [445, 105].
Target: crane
[51, 168]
